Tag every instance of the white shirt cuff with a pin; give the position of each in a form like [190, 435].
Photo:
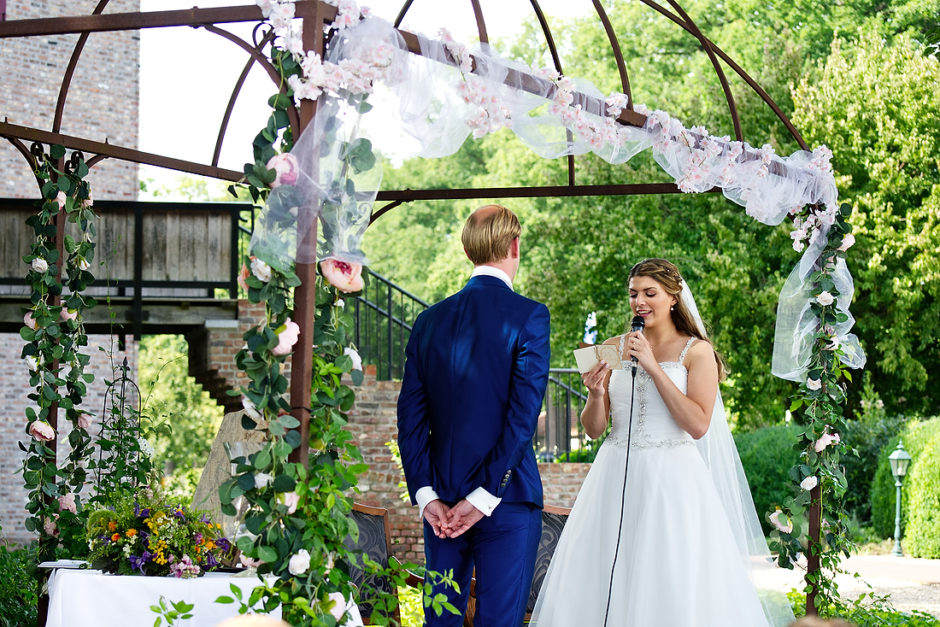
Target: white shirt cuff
[483, 501]
[424, 496]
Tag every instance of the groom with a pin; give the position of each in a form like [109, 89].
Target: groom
[475, 374]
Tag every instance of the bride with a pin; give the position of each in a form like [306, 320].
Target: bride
[677, 541]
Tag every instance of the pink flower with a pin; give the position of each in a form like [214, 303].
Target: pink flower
[825, 440]
[286, 167]
[785, 527]
[242, 276]
[42, 431]
[847, 242]
[67, 502]
[809, 483]
[287, 335]
[29, 321]
[290, 499]
[344, 276]
[68, 314]
[260, 269]
[339, 605]
[60, 200]
[84, 420]
[49, 526]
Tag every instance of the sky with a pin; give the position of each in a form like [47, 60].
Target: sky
[187, 75]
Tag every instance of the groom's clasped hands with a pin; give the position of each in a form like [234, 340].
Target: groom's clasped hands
[451, 522]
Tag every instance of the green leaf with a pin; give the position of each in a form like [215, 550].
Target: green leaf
[267, 554]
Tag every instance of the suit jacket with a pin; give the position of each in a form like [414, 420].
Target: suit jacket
[475, 374]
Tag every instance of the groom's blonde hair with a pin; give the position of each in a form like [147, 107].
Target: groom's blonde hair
[488, 233]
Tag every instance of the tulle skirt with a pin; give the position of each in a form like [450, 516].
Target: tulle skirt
[677, 563]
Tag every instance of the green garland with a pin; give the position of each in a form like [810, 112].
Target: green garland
[817, 407]
[54, 336]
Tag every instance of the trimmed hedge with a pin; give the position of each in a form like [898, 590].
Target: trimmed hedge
[767, 455]
[917, 437]
[923, 531]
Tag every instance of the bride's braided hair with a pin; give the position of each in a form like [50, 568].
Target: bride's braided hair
[667, 274]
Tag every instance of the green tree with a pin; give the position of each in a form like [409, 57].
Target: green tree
[876, 104]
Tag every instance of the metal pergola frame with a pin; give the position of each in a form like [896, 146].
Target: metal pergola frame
[316, 14]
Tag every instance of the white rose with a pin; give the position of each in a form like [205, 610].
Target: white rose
[84, 265]
[356, 359]
[847, 242]
[339, 605]
[809, 483]
[261, 480]
[825, 299]
[39, 265]
[250, 408]
[299, 562]
[260, 269]
[786, 527]
[813, 384]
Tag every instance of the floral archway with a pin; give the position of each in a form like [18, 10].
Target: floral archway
[318, 168]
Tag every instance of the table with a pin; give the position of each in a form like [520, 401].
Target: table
[91, 598]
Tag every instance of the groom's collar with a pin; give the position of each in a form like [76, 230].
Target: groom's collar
[493, 272]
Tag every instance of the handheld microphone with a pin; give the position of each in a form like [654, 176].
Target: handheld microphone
[638, 324]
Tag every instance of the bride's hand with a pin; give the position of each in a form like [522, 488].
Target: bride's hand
[638, 346]
[595, 379]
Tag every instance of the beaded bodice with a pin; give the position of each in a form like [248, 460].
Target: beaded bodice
[653, 425]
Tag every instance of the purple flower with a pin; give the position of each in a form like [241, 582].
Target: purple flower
[144, 513]
[205, 519]
[137, 563]
[180, 514]
[211, 562]
[223, 544]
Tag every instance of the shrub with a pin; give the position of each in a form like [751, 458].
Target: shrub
[767, 455]
[923, 531]
[868, 610]
[867, 434]
[916, 436]
[18, 586]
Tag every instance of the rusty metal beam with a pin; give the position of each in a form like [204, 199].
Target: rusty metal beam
[635, 189]
[14, 131]
[129, 21]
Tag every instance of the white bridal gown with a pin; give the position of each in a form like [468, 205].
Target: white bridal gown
[678, 564]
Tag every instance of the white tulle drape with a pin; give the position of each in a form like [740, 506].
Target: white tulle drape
[425, 106]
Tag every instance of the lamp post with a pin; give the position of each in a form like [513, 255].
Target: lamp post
[900, 460]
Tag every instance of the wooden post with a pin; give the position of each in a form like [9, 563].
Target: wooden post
[305, 294]
[812, 558]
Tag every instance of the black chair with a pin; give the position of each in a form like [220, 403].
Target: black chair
[553, 522]
[375, 538]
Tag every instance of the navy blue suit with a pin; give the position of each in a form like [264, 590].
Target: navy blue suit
[475, 375]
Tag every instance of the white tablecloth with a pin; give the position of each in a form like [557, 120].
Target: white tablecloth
[90, 598]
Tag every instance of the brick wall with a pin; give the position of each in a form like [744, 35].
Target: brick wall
[373, 422]
[104, 352]
[102, 102]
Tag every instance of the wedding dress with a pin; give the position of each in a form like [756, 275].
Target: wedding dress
[680, 562]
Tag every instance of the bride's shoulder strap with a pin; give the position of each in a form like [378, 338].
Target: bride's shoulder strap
[685, 351]
[620, 347]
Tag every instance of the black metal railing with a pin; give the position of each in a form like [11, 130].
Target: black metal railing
[559, 431]
[385, 314]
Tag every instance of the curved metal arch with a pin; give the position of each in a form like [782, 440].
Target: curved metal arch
[70, 70]
[729, 97]
[618, 54]
[739, 71]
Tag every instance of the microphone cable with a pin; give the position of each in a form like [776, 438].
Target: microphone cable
[623, 497]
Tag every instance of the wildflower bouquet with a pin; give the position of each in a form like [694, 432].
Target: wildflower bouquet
[145, 534]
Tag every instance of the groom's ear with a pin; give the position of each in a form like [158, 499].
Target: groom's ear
[514, 248]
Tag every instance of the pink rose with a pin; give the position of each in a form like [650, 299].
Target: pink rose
[60, 199]
[847, 242]
[29, 321]
[84, 420]
[287, 335]
[286, 167]
[41, 431]
[248, 562]
[67, 502]
[343, 275]
[242, 276]
[68, 314]
[825, 440]
[49, 526]
[290, 499]
[786, 527]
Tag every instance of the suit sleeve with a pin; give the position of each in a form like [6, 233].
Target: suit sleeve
[527, 390]
[413, 425]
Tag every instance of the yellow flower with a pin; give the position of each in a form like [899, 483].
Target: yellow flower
[131, 533]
